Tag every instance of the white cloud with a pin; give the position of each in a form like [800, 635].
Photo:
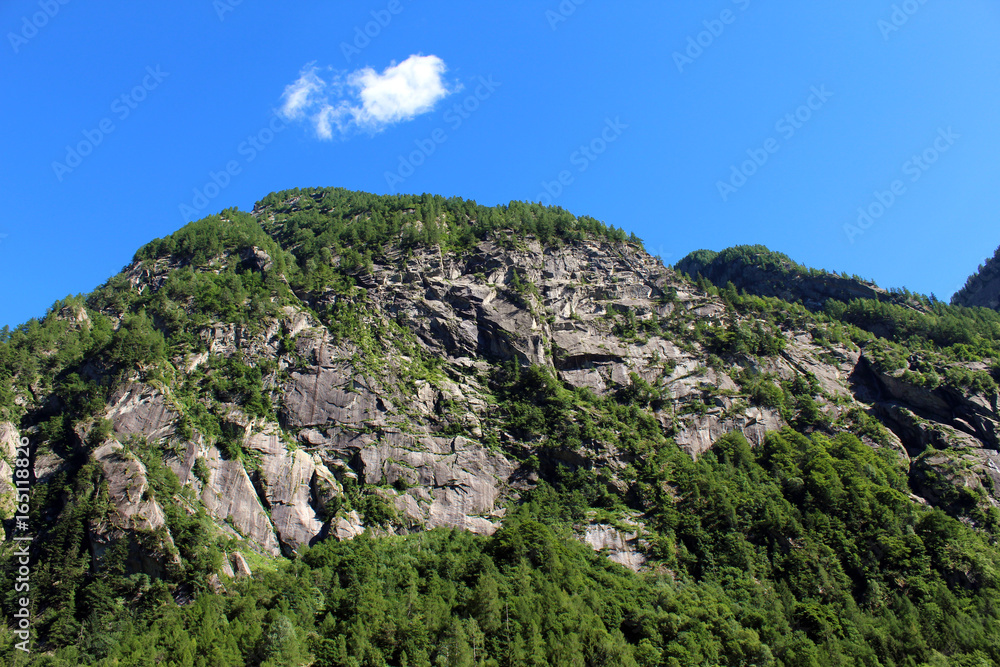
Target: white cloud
[300, 95]
[402, 91]
[366, 99]
[323, 119]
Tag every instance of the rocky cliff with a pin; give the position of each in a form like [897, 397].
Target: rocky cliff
[382, 397]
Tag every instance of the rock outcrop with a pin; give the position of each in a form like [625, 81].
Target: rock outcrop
[959, 480]
[941, 417]
[296, 488]
[141, 410]
[135, 515]
[394, 424]
[621, 545]
[228, 494]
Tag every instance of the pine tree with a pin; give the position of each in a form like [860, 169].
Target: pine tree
[486, 605]
[281, 645]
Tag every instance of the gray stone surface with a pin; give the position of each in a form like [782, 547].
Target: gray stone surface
[409, 415]
[621, 547]
[141, 410]
[229, 495]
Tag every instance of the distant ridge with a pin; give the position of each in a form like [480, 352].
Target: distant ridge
[983, 287]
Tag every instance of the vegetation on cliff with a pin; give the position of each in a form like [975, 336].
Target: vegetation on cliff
[805, 548]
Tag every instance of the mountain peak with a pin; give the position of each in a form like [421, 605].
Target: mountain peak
[281, 385]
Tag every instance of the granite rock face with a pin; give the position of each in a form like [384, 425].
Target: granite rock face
[135, 516]
[228, 495]
[944, 416]
[399, 432]
[959, 480]
[620, 546]
[141, 410]
[292, 482]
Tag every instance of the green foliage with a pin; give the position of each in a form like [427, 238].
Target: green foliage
[335, 233]
[375, 508]
[136, 343]
[200, 470]
[36, 352]
[538, 407]
[203, 241]
[233, 380]
[974, 280]
[190, 299]
[100, 432]
[833, 557]
[758, 339]
[861, 424]
[761, 256]
[804, 550]
[705, 265]
[977, 330]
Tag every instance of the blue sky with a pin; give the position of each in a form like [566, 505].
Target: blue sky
[642, 110]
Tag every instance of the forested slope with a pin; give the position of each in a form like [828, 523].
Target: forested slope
[345, 429]
[982, 289]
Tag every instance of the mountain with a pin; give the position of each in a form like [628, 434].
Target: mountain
[983, 287]
[349, 429]
[760, 271]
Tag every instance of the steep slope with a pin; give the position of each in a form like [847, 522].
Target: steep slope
[336, 363]
[982, 288]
